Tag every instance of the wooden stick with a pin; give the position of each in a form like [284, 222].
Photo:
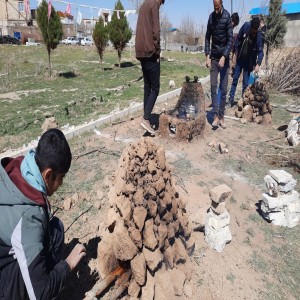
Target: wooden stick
[269, 140]
[78, 217]
[109, 279]
[232, 118]
[98, 288]
[123, 283]
[297, 111]
[280, 155]
[86, 153]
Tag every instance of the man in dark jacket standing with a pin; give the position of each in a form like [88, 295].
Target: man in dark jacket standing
[218, 42]
[147, 48]
[249, 49]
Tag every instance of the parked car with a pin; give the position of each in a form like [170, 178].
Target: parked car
[70, 40]
[86, 42]
[7, 39]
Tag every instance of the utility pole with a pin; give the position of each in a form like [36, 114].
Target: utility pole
[231, 7]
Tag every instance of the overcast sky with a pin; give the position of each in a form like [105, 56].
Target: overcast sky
[176, 10]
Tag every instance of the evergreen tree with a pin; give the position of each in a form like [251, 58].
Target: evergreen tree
[119, 31]
[51, 29]
[100, 36]
[276, 27]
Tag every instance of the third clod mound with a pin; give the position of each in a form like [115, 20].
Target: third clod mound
[148, 227]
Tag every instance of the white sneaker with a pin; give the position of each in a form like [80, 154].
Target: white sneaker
[146, 125]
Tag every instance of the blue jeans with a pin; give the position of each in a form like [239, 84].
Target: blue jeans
[240, 66]
[151, 73]
[219, 108]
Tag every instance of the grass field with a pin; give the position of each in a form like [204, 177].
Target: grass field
[78, 91]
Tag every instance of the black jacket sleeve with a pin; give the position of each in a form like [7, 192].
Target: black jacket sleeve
[229, 34]
[208, 37]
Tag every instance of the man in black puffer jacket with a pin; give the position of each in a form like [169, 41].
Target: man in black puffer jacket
[218, 43]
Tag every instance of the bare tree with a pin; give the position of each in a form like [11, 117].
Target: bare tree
[165, 29]
[188, 30]
[136, 4]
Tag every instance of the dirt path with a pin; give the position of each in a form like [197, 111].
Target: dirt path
[235, 273]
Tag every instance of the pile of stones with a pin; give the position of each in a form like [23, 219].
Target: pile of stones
[255, 106]
[281, 204]
[148, 226]
[217, 232]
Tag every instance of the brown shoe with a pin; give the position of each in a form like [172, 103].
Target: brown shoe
[222, 123]
[215, 123]
[146, 125]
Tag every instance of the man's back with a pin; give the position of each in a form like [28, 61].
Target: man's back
[147, 40]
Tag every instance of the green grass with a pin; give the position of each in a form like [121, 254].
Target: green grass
[77, 78]
[183, 167]
[284, 266]
[258, 262]
[231, 277]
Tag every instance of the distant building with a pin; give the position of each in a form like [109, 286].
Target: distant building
[15, 21]
[292, 12]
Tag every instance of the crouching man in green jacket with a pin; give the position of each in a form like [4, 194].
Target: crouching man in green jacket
[31, 239]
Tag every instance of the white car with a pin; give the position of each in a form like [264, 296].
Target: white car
[86, 42]
[70, 40]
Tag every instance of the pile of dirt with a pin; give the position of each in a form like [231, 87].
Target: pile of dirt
[149, 232]
[255, 106]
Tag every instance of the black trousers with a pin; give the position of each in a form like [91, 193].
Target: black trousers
[151, 73]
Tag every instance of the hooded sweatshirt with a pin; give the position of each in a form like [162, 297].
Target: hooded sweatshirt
[24, 239]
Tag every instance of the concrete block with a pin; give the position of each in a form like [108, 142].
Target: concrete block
[281, 176]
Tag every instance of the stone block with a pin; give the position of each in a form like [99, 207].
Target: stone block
[218, 208]
[178, 279]
[133, 289]
[124, 248]
[148, 289]
[281, 176]
[289, 186]
[217, 222]
[220, 193]
[153, 258]
[138, 268]
[217, 239]
[164, 289]
[272, 203]
[277, 218]
[180, 253]
[150, 240]
[106, 259]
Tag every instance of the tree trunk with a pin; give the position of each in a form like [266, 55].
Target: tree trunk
[49, 61]
[119, 55]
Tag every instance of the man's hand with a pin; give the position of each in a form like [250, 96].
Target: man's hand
[222, 62]
[208, 62]
[75, 256]
[256, 70]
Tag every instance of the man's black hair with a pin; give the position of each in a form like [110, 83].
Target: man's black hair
[255, 23]
[235, 19]
[53, 151]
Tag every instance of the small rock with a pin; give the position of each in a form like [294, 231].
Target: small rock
[97, 204]
[67, 203]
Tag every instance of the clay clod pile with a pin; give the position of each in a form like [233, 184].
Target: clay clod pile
[255, 106]
[187, 120]
[148, 227]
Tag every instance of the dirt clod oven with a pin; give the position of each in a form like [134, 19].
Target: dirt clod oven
[188, 118]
